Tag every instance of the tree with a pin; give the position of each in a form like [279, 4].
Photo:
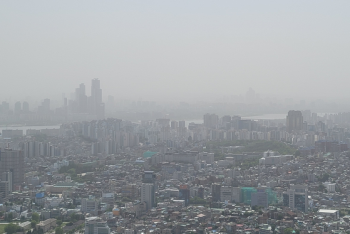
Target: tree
[273, 227]
[9, 217]
[59, 222]
[288, 231]
[36, 217]
[58, 230]
[247, 214]
[35, 231]
[70, 206]
[321, 187]
[72, 172]
[33, 224]
[11, 228]
[324, 177]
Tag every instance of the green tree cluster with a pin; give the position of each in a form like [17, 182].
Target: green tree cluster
[78, 169]
[36, 231]
[58, 230]
[9, 217]
[12, 228]
[246, 164]
[197, 200]
[324, 177]
[288, 231]
[252, 146]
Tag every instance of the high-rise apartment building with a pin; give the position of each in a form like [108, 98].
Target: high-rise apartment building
[211, 120]
[12, 161]
[148, 195]
[148, 189]
[294, 121]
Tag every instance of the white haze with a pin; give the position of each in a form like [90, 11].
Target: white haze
[175, 50]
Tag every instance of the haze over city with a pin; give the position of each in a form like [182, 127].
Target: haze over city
[174, 117]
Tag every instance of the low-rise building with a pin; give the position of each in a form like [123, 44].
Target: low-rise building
[46, 225]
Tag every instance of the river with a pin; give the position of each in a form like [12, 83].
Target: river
[25, 127]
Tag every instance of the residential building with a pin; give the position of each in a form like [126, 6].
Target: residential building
[89, 205]
[46, 225]
[95, 225]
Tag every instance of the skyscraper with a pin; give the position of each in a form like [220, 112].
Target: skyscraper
[81, 99]
[96, 105]
[294, 121]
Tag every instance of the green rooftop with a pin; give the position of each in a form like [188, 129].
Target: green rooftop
[149, 154]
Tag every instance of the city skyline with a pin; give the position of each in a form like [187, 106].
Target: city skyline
[174, 117]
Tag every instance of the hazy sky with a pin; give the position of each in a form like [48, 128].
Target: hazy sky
[166, 49]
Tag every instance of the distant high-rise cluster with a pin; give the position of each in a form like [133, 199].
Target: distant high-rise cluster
[78, 107]
[88, 105]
